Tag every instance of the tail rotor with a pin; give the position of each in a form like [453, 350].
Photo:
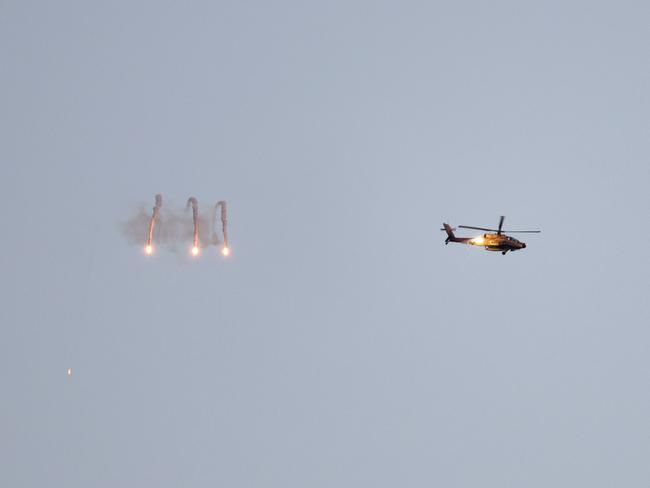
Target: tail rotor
[450, 233]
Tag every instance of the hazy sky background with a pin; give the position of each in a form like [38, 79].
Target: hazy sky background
[342, 345]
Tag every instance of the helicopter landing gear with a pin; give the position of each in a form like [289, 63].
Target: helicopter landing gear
[504, 252]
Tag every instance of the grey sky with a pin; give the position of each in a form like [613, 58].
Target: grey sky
[343, 345]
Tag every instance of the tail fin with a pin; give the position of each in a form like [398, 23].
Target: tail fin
[450, 233]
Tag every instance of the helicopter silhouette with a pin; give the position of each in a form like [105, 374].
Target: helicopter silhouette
[494, 240]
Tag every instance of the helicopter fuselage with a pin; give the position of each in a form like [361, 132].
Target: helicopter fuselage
[496, 242]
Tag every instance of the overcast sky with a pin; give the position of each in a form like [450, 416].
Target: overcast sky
[342, 344]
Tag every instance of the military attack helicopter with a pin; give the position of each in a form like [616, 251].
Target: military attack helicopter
[492, 242]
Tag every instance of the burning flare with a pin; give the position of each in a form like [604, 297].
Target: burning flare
[224, 226]
[152, 224]
[192, 202]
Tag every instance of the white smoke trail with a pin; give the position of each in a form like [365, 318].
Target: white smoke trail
[152, 223]
[224, 225]
[192, 202]
[169, 228]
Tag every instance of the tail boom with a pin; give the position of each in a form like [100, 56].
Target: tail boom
[451, 237]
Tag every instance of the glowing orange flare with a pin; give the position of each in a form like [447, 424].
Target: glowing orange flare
[225, 251]
[148, 250]
[195, 251]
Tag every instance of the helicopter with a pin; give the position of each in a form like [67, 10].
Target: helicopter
[498, 241]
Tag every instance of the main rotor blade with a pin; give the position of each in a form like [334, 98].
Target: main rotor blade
[502, 231]
[500, 224]
[476, 228]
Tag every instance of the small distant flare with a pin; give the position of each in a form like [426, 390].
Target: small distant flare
[69, 371]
